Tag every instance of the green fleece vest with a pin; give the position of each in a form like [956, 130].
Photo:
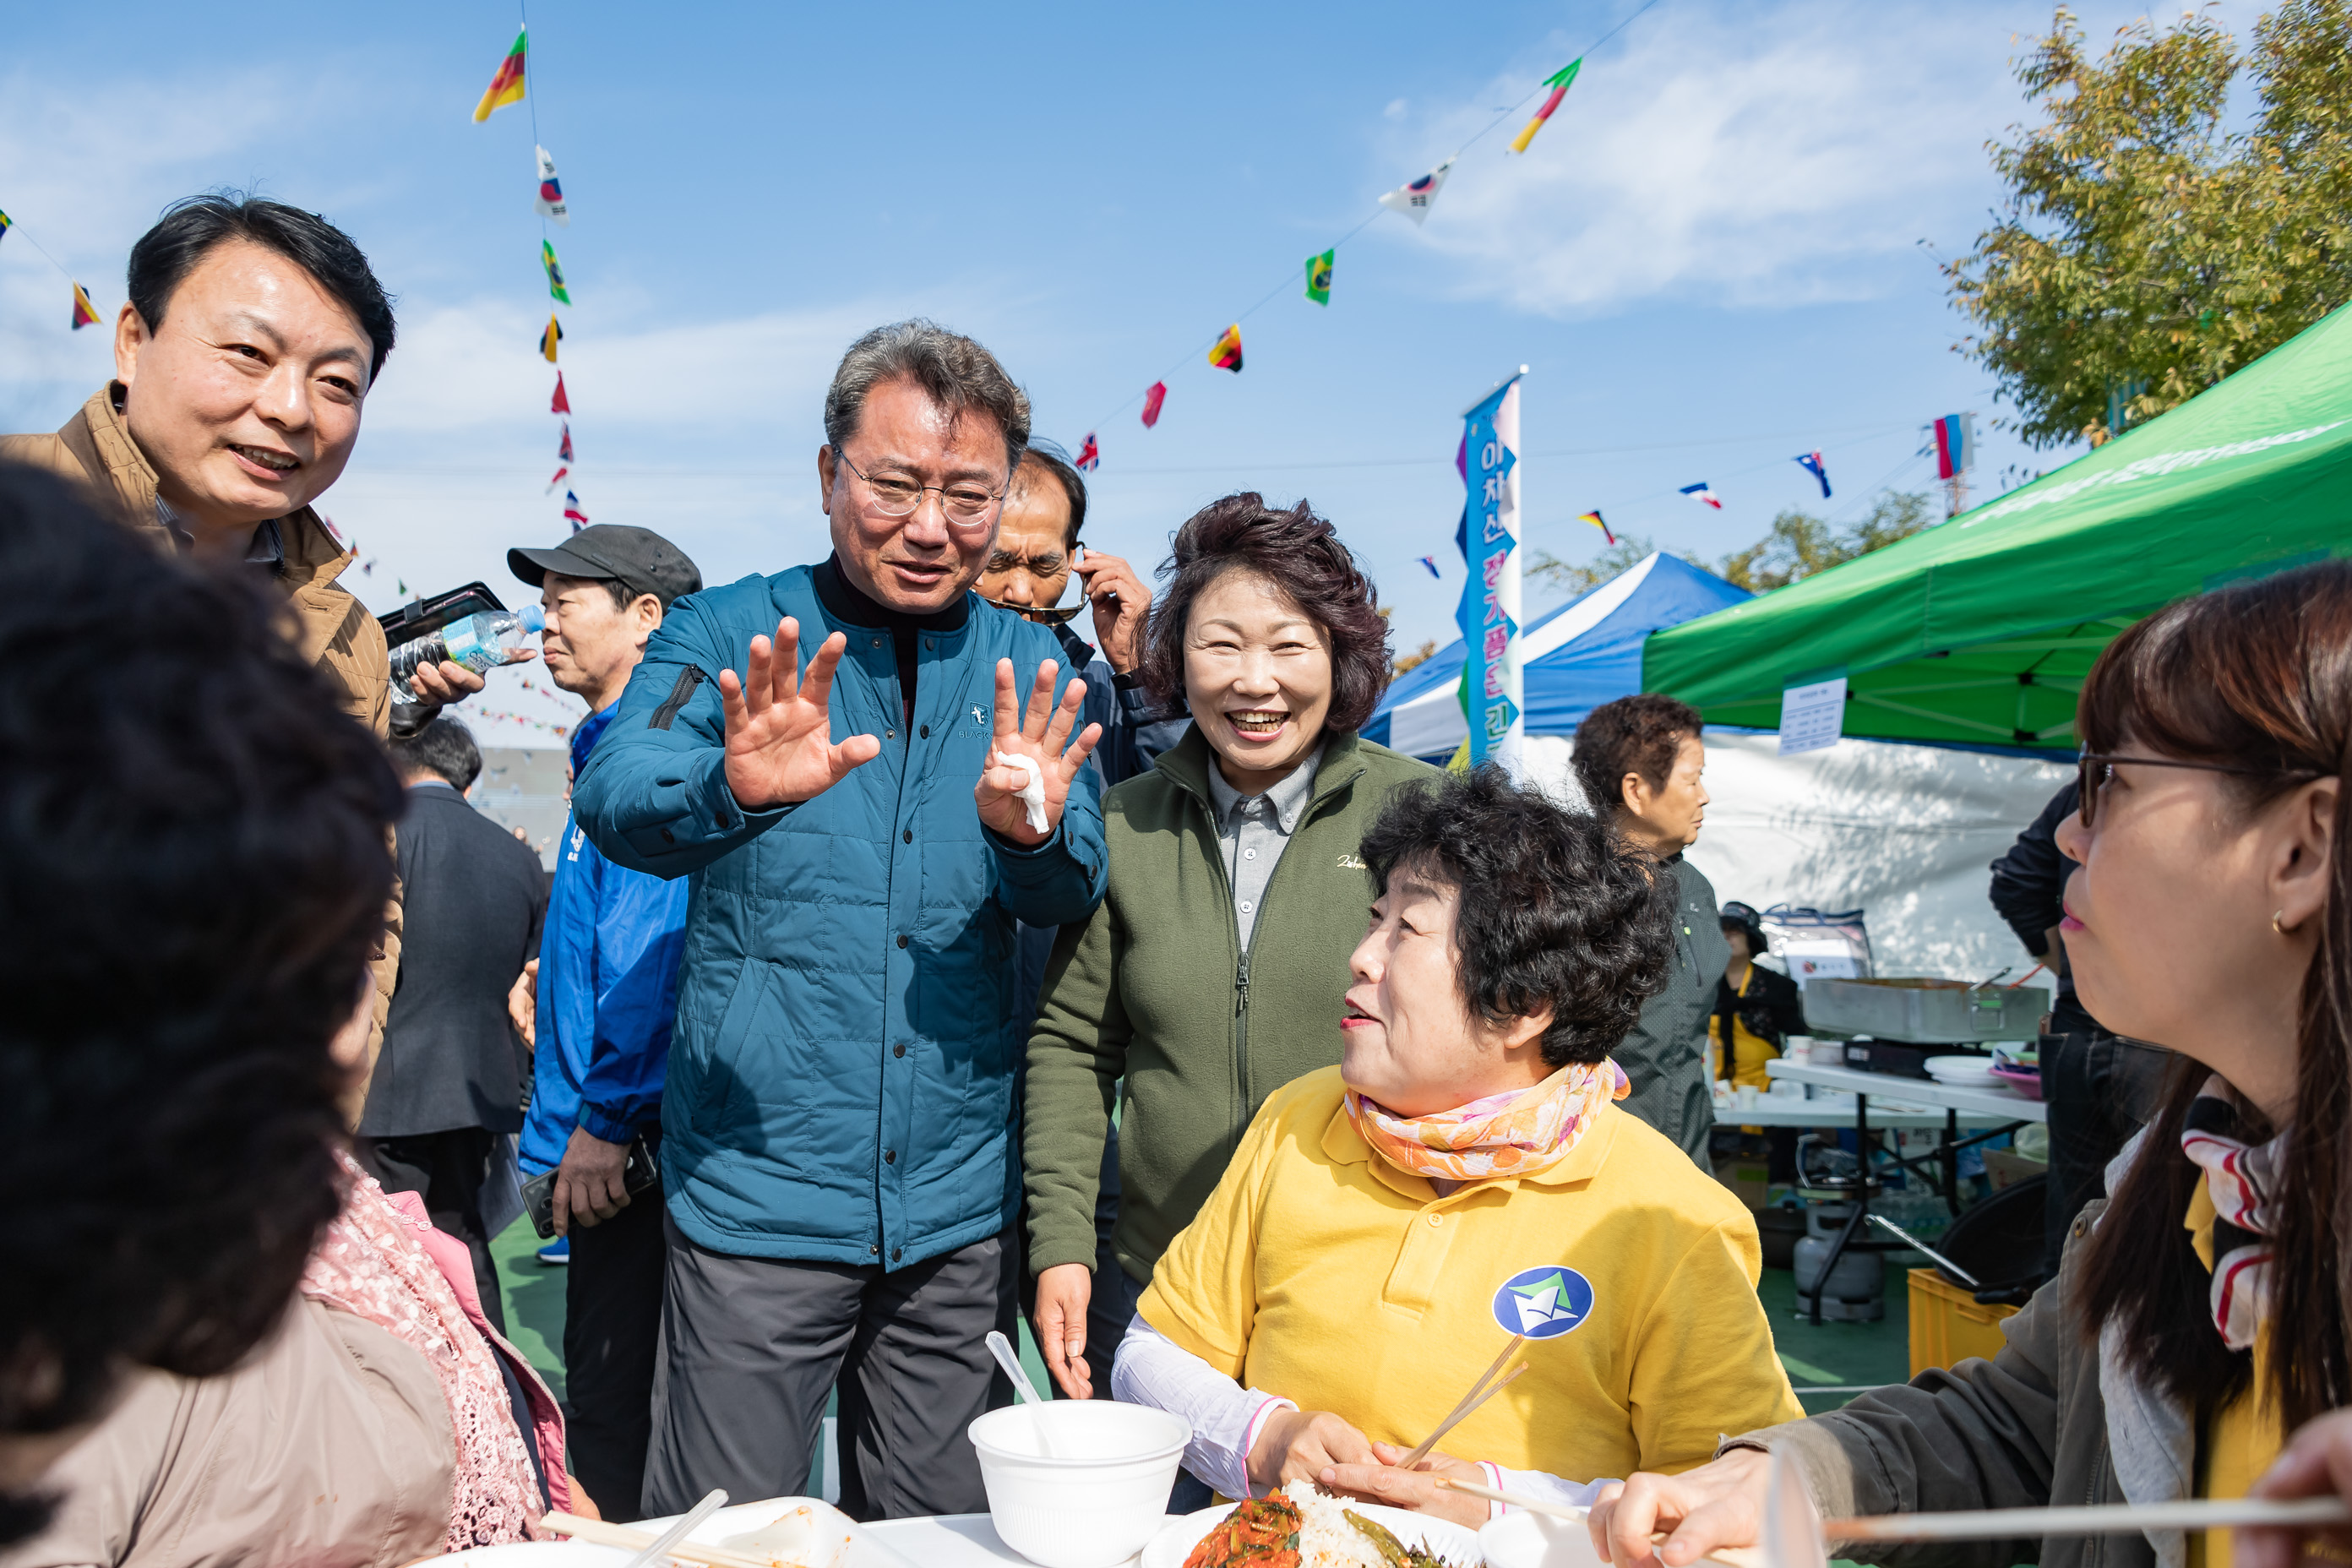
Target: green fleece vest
[1156, 989]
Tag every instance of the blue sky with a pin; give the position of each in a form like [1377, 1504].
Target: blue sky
[1711, 258]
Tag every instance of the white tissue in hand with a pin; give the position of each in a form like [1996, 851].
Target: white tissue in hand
[1033, 790]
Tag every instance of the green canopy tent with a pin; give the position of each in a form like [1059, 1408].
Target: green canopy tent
[1982, 628]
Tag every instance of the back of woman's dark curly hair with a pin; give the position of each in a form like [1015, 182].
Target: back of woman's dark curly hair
[1555, 910]
[1301, 555]
[193, 875]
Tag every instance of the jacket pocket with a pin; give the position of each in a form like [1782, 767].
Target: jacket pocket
[726, 1108]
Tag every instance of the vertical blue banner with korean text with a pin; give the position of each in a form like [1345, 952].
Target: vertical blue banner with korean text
[1493, 695]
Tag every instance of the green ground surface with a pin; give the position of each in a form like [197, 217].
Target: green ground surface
[1834, 1357]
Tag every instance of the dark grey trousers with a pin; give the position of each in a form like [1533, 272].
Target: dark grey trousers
[751, 1346]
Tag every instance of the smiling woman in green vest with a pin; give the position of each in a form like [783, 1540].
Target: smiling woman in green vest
[1211, 975]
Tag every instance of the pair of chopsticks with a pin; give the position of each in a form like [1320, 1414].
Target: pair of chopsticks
[2005, 1523]
[1485, 1388]
[2114, 1518]
[628, 1540]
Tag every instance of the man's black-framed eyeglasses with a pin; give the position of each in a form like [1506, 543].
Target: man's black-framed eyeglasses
[2099, 767]
[963, 502]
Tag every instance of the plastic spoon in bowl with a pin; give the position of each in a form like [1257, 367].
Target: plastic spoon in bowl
[1026, 1391]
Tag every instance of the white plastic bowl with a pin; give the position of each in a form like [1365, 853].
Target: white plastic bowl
[1099, 1496]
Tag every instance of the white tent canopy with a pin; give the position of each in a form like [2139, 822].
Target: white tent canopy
[1905, 832]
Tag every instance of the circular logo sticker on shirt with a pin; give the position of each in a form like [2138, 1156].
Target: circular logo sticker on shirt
[1543, 1303]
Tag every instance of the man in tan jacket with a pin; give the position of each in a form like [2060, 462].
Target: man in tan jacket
[243, 359]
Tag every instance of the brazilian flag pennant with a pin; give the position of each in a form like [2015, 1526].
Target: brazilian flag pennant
[1318, 277]
[555, 273]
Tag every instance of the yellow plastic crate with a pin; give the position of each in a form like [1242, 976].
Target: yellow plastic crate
[1948, 1326]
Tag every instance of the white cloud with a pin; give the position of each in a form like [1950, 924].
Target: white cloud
[1742, 156]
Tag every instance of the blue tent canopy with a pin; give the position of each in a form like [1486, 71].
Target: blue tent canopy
[1574, 658]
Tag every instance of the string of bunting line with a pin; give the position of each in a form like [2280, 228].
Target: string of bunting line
[1414, 199]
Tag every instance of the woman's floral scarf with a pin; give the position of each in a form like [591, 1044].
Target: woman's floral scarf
[1520, 1134]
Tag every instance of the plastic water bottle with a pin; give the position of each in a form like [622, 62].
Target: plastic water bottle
[481, 643]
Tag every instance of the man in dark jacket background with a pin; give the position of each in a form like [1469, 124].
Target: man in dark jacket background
[447, 1089]
[865, 831]
[1638, 761]
[2100, 1089]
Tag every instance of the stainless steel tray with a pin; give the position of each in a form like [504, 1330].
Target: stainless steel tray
[1924, 1011]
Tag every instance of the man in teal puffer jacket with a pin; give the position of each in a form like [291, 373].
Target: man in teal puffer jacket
[838, 1126]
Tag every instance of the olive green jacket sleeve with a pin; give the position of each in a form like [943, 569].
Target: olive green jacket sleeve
[1078, 1053]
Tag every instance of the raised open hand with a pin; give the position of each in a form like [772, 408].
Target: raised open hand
[780, 747]
[1043, 735]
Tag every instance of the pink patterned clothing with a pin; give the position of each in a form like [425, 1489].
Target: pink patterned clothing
[380, 1260]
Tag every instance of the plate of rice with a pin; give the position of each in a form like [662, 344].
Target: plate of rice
[1302, 1527]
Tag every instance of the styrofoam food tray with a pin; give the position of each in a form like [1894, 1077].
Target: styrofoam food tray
[824, 1538]
[1456, 1543]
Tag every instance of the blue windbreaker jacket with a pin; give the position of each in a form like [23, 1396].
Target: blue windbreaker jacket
[841, 1078]
[608, 959]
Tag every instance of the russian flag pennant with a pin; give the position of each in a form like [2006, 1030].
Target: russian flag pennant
[572, 512]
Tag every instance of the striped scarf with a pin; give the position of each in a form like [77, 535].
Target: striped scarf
[2241, 1179]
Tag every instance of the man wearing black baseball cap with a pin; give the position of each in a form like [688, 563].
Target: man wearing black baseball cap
[607, 976]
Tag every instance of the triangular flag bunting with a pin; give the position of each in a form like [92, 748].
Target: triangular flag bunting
[506, 87]
[561, 475]
[1431, 565]
[1227, 354]
[561, 404]
[1413, 200]
[84, 313]
[550, 338]
[1089, 455]
[1811, 463]
[563, 453]
[1701, 494]
[5, 223]
[1558, 82]
[555, 273]
[551, 190]
[572, 512]
[1594, 519]
[1153, 399]
[1318, 277]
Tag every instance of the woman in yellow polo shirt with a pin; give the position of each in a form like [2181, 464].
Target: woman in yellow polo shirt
[1465, 1176]
[2199, 1311]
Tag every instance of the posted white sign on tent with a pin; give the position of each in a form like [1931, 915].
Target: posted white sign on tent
[1813, 717]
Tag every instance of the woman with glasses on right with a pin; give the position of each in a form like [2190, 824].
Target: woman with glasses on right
[2199, 1313]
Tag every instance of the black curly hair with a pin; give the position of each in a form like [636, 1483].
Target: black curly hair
[196, 869]
[1555, 909]
[1301, 554]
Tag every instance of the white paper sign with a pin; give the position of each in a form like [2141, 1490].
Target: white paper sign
[1820, 961]
[1813, 717]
